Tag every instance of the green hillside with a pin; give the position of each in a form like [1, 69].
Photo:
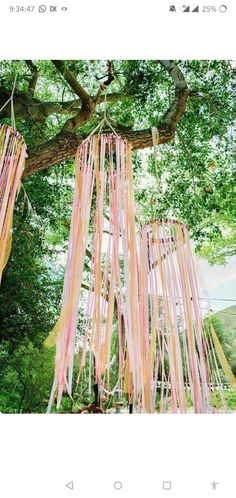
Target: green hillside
[225, 322]
[227, 317]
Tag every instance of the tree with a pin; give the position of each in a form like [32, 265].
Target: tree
[192, 103]
[57, 104]
[64, 143]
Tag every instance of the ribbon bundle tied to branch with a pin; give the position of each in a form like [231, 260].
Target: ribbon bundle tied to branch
[12, 159]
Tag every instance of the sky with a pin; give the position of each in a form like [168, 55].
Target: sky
[219, 281]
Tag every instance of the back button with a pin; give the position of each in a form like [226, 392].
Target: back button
[70, 485]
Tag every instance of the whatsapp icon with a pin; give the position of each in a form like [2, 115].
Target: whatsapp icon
[42, 8]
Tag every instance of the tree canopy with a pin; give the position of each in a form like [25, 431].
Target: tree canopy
[192, 104]
[57, 104]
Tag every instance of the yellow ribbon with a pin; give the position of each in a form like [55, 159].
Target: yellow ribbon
[223, 361]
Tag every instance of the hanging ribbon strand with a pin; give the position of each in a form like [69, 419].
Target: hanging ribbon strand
[223, 360]
[64, 332]
[103, 168]
[181, 354]
[12, 159]
[165, 355]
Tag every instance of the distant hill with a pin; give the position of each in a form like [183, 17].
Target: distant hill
[227, 318]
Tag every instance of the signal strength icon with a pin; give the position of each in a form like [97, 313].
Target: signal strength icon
[186, 9]
[196, 9]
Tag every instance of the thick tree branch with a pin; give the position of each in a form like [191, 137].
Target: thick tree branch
[34, 78]
[103, 85]
[110, 76]
[72, 81]
[64, 145]
[88, 104]
[25, 106]
[177, 107]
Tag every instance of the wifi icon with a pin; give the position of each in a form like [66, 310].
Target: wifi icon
[186, 9]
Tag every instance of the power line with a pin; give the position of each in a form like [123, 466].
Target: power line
[212, 299]
[209, 299]
[217, 299]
